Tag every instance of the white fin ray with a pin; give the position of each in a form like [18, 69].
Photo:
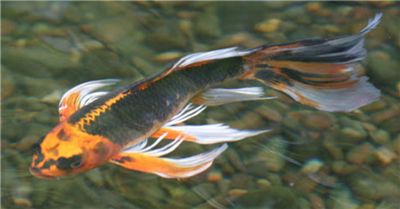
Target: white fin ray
[185, 114]
[211, 55]
[220, 96]
[215, 133]
[86, 94]
[202, 161]
[149, 150]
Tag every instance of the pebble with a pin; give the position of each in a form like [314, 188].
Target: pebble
[333, 149]
[269, 113]
[380, 136]
[396, 144]
[316, 202]
[7, 83]
[360, 154]
[214, 176]
[263, 184]
[267, 26]
[237, 192]
[388, 113]
[7, 27]
[353, 133]
[318, 120]
[385, 155]
[168, 56]
[21, 193]
[383, 67]
[343, 168]
[362, 184]
[312, 166]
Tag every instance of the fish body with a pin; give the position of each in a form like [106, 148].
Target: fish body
[98, 127]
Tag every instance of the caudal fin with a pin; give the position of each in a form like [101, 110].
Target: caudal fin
[317, 72]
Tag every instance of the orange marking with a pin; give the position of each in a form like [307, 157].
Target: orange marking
[306, 67]
[94, 150]
[91, 116]
[150, 164]
[173, 134]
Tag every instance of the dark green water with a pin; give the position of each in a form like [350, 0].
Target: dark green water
[311, 159]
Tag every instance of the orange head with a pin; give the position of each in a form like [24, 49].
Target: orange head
[68, 150]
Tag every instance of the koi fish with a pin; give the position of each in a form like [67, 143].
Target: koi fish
[137, 125]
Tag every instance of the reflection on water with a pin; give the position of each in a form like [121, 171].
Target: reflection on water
[311, 159]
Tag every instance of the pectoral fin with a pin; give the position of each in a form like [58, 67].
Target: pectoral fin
[168, 167]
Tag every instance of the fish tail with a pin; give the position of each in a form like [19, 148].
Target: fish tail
[320, 73]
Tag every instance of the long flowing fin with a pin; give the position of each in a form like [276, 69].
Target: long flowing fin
[168, 167]
[220, 96]
[207, 134]
[81, 95]
[319, 72]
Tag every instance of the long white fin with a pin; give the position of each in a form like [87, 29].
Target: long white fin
[213, 133]
[220, 96]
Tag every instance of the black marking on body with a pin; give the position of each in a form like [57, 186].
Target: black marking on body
[124, 159]
[62, 135]
[271, 76]
[37, 150]
[48, 164]
[69, 163]
[142, 110]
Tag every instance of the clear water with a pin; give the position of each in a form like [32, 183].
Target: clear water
[311, 159]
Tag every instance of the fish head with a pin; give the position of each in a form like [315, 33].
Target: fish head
[68, 150]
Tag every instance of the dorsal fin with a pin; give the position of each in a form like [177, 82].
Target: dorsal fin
[81, 95]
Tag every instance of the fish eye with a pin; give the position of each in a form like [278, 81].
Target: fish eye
[69, 163]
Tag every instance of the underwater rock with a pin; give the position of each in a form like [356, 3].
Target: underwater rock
[360, 154]
[263, 184]
[242, 181]
[312, 166]
[21, 193]
[333, 149]
[271, 156]
[388, 113]
[385, 155]
[267, 26]
[168, 56]
[316, 202]
[318, 120]
[383, 67]
[301, 182]
[8, 27]
[341, 198]
[396, 144]
[7, 83]
[269, 113]
[380, 136]
[206, 24]
[343, 168]
[214, 176]
[383, 188]
[237, 192]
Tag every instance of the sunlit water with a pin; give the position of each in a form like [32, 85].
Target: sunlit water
[311, 159]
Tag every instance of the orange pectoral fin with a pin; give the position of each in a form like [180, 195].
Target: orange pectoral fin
[168, 167]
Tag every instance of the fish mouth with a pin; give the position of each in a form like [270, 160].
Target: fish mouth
[37, 173]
